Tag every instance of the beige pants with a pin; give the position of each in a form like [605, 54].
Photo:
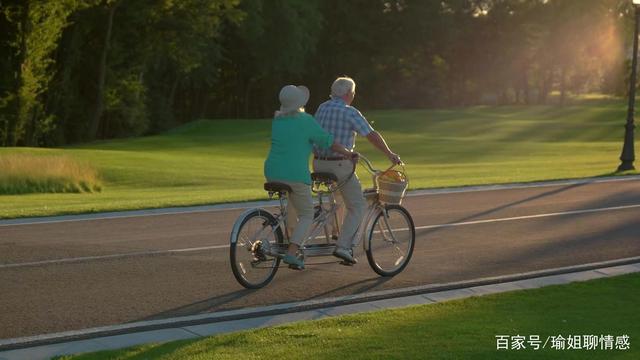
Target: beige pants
[351, 193]
[299, 211]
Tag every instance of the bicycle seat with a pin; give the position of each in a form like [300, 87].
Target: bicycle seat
[324, 177]
[277, 187]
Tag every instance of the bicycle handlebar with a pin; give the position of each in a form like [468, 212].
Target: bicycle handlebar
[368, 166]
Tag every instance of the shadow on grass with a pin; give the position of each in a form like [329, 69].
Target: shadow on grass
[143, 352]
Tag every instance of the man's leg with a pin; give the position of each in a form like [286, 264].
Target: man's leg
[355, 205]
[351, 193]
[336, 221]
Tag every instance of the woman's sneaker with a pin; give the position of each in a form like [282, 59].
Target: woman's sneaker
[346, 255]
[294, 262]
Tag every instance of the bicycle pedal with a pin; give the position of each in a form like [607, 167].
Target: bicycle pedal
[258, 258]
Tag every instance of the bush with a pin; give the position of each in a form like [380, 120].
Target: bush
[24, 174]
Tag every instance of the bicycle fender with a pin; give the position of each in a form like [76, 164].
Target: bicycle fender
[240, 220]
[369, 219]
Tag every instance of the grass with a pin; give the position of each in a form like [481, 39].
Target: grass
[24, 173]
[208, 162]
[461, 329]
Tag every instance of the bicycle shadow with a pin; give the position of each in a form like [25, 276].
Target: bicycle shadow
[367, 285]
[216, 303]
[200, 306]
[358, 287]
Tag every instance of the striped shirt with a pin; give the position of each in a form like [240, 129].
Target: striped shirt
[343, 122]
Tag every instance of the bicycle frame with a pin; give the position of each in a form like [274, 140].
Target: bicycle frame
[319, 223]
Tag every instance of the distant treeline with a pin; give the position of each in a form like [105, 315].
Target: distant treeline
[79, 70]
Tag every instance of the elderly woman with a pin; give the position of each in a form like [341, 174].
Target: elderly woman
[293, 134]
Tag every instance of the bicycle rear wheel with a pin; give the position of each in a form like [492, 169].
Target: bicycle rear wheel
[390, 243]
[253, 234]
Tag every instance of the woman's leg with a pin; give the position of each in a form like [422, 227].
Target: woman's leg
[301, 200]
[292, 218]
[299, 203]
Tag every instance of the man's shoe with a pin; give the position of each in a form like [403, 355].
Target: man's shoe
[294, 262]
[346, 255]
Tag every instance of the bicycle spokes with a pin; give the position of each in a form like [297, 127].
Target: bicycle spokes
[390, 241]
[251, 260]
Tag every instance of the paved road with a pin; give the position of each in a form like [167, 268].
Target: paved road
[78, 274]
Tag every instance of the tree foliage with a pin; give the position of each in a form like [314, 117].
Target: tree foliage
[79, 70]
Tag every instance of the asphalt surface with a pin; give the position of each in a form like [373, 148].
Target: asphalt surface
[79, 274]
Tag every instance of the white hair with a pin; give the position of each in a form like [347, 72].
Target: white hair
[342, 86]
[279, 113]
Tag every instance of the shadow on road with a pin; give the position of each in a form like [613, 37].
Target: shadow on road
[200, 306]
[364, 286]
[504, 206]
[468, 259]
[575, 242]
[217, 303]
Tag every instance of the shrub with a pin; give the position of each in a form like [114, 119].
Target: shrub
[24, 174]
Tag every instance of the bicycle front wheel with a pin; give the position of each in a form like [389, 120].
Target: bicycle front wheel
[252, 237]
[390, 241]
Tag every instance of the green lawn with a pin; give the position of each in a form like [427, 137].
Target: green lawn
[461, 329]
[209, 162]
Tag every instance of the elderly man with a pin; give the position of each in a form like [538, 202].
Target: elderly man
[343, 121]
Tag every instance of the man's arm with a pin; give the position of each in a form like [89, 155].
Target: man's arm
[378, 141]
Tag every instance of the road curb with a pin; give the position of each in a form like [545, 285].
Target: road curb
[263, 203]
[598, 269]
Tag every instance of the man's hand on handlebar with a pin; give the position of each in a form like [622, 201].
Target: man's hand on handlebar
[395, 159]
[355, 156]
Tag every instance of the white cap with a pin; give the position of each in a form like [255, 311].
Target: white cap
[293, 98]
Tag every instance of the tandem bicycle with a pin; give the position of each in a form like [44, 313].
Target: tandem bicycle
[259, 238]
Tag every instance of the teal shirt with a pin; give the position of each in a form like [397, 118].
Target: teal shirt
[292, 140]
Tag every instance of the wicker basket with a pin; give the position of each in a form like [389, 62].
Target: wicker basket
[392, 186]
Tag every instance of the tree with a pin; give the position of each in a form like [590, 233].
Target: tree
[94, 121]
[78, 70]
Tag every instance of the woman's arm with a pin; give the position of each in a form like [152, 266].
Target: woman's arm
[325, 140]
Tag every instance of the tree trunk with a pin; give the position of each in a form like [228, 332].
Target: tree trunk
[247, 97]
[12, 133]
[172, 92]
[546, 86]
[563, 85]
[94, 122]
[525, 86]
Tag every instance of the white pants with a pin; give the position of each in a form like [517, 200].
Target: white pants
[351, 193]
